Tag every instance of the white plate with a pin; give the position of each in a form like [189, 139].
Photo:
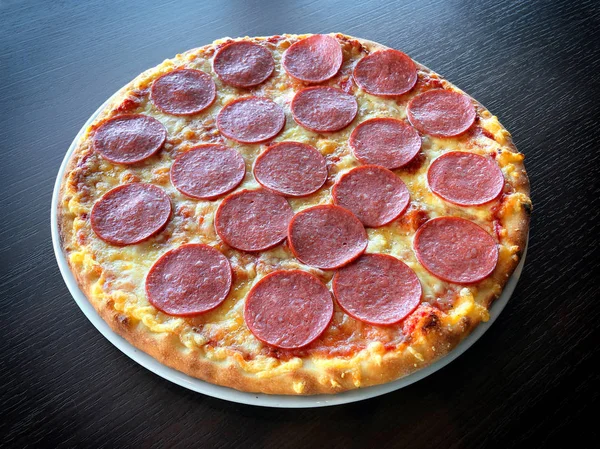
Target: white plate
[230, 394]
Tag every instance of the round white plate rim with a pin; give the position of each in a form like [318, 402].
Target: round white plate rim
[229, 394]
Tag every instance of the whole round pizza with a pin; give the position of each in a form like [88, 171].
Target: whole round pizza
[294, 214]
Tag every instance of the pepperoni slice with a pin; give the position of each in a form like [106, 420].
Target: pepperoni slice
[183, 92]
[253, 220]
[455, 250]
[377, 289]
[441, 113]
[386, 73]
[130, 213]
[128, 139]
[466, 179]
[291, 169]
[189, 280]
[251, 120]
[314, 59]
[386, 142]
[288, 309]
[208, 171]
[243, 64]
[326, 236]
[324, 109]
[372, 193]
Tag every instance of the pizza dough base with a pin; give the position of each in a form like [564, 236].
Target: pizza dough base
[432, 338]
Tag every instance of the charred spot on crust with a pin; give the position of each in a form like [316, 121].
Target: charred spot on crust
[430, 323]
[466, 322]
[122, 320]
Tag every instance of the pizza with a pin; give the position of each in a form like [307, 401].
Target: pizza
[294, 214]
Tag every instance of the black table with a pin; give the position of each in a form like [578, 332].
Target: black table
[528, 380]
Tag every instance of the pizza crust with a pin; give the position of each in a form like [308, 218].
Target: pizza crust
[432, 338]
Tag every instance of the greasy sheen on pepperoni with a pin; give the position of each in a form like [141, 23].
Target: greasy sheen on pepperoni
[251, 119]
[324, 109]
[314, 59]
[253, 220]
[127, 139]
[130, 213]
[441, 113]
[466, 179]
[243, 64]
[377, 289]
[385, 141]
[183, 92]
[455, 250]
[189, 280]
[208, 171]
[288, 309]
[326, 236]
[374, 194]
[291, 169]
[386, 73]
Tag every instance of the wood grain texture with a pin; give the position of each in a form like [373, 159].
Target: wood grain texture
[529, 380]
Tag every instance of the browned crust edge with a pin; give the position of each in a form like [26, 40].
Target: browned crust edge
[431, 340]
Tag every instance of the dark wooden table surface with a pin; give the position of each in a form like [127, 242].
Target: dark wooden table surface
[530, 379]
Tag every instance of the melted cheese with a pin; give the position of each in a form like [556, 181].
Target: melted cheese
[118, 274]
